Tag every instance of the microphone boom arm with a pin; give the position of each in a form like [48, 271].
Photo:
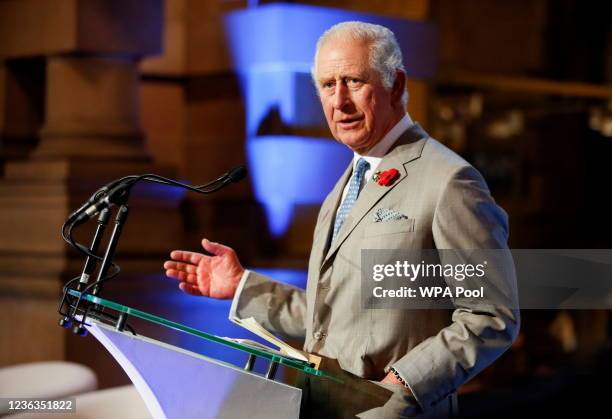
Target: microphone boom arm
[113, 193]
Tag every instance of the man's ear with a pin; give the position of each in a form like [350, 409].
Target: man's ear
[399, 86]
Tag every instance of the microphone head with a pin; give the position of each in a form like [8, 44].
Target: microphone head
[237, 174]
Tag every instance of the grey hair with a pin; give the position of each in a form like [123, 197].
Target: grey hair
[385, 53]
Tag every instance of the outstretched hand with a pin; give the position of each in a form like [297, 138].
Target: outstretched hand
[216, 275]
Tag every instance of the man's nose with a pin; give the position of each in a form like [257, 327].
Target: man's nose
[341, 96]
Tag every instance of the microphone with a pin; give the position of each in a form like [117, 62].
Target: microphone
[96, 196]
[117, 191]
[236, 174]
[105, 200]
[232, 176]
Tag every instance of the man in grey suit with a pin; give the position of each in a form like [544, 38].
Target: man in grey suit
[436, 200]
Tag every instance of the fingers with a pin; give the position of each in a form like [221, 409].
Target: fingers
[182, 276]
[185, 256]
[180, 266]
[215, 248]
[190, 289]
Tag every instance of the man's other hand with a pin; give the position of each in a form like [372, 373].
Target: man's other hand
[214, 276]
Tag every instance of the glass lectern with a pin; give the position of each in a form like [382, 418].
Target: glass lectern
[176, 383]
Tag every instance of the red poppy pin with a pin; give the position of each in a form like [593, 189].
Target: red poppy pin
[387, 177]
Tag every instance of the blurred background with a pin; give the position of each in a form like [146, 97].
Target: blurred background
[92, 90]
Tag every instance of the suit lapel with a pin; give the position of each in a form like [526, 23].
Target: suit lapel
[406, 149]
[328, 216]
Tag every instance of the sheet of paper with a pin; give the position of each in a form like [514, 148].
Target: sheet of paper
[253, 326]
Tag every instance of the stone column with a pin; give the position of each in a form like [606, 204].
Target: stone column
[21, 107]
[90, 135]
[99, 118]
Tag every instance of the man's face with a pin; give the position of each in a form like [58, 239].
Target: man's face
[358, 109]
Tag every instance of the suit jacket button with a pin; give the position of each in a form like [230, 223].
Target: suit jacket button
[318, 335]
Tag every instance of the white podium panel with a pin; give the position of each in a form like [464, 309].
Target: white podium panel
[176, 383]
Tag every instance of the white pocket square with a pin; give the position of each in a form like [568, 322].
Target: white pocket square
[385, 214]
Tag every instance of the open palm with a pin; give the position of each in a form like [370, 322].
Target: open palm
[216, 275]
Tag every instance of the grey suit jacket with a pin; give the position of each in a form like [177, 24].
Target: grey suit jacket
[448, 206]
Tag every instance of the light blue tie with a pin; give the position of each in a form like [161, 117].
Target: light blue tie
[351, 196]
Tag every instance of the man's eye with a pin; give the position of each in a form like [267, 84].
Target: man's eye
[328, 85]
